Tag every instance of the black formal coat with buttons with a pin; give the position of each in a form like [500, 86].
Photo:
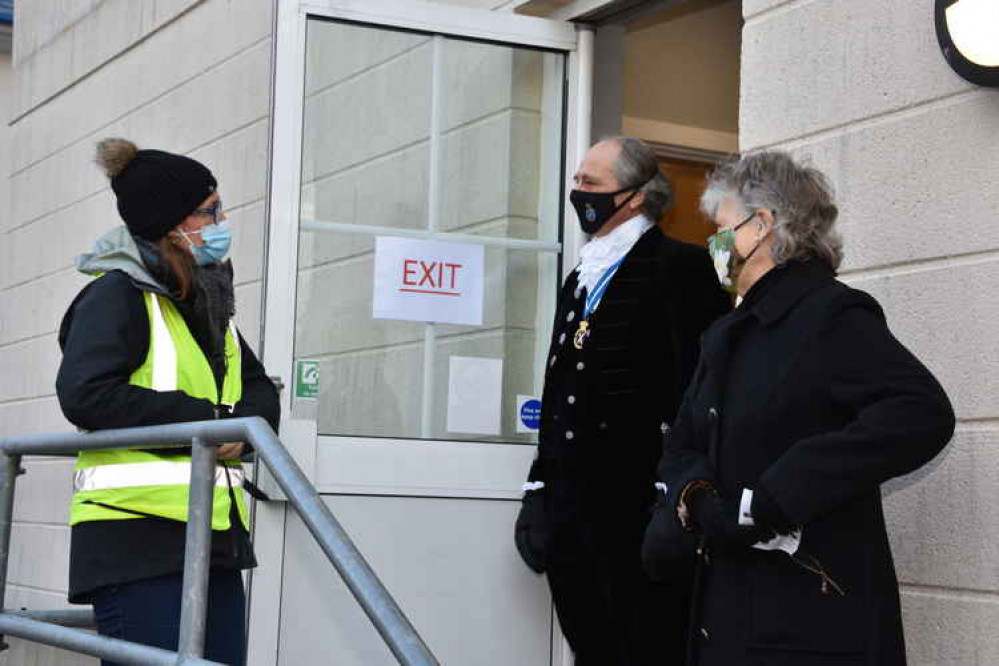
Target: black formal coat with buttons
[803, 392]
[602, 416]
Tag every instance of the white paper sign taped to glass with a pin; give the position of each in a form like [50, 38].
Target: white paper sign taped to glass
[431, 281]
[474, 395]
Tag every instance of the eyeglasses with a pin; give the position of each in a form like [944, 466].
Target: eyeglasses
[215, 211]
[743, 223]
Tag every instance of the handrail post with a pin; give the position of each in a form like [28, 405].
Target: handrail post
[10, 466]
[197, 550]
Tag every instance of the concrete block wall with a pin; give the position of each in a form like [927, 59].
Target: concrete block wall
[188, 76]
[366, 163]
[61, 42]
[6, 90]
[862, 90]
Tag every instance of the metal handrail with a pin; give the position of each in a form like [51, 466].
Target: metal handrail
[203, 436]
[81, 618]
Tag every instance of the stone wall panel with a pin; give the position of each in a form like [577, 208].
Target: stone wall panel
[822, 64]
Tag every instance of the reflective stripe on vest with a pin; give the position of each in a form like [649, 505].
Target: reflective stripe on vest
[131, 475]
[164, 351]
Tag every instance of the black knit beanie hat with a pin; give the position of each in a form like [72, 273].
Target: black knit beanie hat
[156, 190]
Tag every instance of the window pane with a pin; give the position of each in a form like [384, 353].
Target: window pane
[398, 125]
[366, 125]
[372, 370]
[491, 136]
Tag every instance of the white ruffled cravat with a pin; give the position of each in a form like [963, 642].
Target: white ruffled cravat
[602, 251]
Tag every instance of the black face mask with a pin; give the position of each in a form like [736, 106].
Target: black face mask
[594, 208]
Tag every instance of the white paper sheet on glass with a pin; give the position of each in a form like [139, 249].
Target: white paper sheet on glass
[431, 281]
[475, 387]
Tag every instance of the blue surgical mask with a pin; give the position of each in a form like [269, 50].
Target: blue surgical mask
[217, 238]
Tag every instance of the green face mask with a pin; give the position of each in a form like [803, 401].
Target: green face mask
[728, 263]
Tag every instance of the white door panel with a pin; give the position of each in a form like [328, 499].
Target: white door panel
[450, 565]
[410, 467]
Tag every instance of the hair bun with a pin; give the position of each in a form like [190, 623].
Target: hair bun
[114, 154]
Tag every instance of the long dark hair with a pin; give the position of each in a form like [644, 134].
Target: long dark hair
[181, 265]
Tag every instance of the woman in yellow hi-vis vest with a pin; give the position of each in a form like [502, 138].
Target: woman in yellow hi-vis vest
[151, 340]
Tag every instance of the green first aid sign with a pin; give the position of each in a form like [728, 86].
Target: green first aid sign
[306, 379]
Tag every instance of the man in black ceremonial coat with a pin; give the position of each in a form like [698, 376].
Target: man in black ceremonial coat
[624, 345]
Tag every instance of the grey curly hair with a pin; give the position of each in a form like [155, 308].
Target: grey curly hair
[799, 196]
[637, 164]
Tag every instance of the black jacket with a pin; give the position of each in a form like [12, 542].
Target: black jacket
[625, 383]
[105, 337]
[804, 393]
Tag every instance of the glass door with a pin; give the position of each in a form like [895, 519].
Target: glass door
[416, 248]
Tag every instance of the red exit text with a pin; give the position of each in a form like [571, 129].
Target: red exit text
[434, 277]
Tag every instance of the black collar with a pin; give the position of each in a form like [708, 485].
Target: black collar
[782, 288]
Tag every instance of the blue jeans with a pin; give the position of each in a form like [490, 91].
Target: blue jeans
[148, 611]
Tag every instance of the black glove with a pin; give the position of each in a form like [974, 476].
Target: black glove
[531, 531]
[668, 550]
[719, 522]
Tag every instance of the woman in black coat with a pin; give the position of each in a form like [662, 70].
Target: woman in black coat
[172, 251]
[802, 405]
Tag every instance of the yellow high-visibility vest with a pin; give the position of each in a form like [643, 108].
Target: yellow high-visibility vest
[123, 484]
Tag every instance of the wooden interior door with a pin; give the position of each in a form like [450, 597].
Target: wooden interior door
[684, 220]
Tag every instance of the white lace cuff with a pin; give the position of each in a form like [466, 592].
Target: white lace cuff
[746, 508]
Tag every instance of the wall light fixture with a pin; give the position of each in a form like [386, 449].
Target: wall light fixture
[968, 32]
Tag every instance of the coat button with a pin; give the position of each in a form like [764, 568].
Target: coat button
[569, 434]
[705, 634]
[571, 315]
[712, 414]
[551, 363]
[603, 425]
[561, 338]
[571, 400]
[578, 292]
[580, 365]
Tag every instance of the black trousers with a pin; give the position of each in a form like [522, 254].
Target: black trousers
[148, 611]
[610, 612]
